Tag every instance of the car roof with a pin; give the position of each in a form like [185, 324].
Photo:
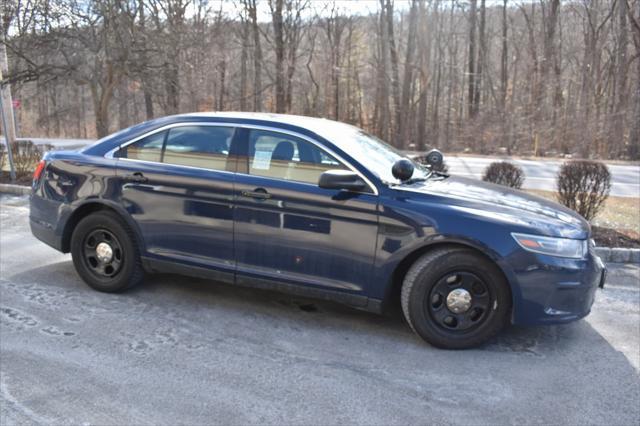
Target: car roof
[312, 123]
[319, 126]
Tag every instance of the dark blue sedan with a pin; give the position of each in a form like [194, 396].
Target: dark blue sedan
[316, 208]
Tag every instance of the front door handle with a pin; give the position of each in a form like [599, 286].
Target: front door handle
[136, 177]
[258, 194]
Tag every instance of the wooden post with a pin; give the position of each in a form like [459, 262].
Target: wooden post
[6, 108]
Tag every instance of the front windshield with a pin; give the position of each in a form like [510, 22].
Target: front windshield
[373, 153]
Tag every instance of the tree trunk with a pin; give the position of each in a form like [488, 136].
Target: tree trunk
[472, 57]
[407, 83]
[633, 149]
[101, 94]
[395, 79]
[616, 133]
[504, 74]
[172, 89]
[424, 43]
[144, 74]
[243, 65]
[222, 66]
[382, 104]
[481, 59]
[276, 16]
[124, 114]
[257, 56]
[548, 58]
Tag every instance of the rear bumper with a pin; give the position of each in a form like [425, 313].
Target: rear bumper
[44, 219]
[557, 290]
[45, 233]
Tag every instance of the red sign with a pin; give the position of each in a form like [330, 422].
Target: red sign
[17, 103]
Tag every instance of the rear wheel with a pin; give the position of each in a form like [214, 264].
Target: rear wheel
[455, 298]
[105, 253]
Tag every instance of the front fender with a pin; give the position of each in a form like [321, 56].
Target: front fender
[408, 228]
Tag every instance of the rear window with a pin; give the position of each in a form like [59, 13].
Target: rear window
[146, 149]
[195, 146]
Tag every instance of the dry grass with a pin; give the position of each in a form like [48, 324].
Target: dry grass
[619, 213]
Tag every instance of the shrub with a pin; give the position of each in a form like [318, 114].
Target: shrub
[584, 186]
[25, 156]
[504, 173]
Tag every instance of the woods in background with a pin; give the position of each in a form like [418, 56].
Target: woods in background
[538, 77]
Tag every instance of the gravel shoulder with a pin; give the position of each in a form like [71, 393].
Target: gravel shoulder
[181, 350]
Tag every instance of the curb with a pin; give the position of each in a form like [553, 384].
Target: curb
[607, 254]
[618, 255]
[9, 188]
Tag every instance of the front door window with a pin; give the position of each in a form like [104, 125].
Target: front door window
[282, 156]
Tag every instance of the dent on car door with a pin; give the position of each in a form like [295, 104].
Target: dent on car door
[178, 185]
[291, 230]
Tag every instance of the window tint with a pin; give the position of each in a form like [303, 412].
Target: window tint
[198, 146]
[278, 155]
[147, 149]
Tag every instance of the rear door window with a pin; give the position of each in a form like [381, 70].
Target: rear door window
[206, 147]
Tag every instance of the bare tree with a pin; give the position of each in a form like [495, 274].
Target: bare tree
[633, 148]
[335, 25]
[473, 81]
[252, 11]
[407, 82]
[395, 74]
[535, 77]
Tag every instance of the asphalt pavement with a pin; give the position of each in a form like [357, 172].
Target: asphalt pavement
[185, 351]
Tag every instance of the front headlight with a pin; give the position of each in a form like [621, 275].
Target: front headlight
[561, 247]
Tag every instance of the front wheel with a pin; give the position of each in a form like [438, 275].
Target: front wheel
[455, 298]
[105, 253]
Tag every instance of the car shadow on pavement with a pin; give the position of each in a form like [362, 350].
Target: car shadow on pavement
[179, 292]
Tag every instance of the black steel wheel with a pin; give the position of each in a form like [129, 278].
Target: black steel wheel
[102, 253]
[459, 301]
[105, 253]
[455, 298]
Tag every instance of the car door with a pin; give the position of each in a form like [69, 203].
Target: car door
[289, 229]
[178, 184]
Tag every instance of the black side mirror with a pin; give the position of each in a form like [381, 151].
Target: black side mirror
[341, 179]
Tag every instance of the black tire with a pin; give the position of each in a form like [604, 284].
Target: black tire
[428, 309]
[124, 270]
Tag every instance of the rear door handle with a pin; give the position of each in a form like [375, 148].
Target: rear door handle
[259, 194]
[136, 177]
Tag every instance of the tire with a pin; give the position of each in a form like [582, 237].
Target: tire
[438, 316]
[123, 270]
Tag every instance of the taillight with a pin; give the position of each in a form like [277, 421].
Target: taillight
[39, 169]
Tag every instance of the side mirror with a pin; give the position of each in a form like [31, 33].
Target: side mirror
[402, 169]
[341, 179]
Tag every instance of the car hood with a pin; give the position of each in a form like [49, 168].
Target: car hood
[497, 202]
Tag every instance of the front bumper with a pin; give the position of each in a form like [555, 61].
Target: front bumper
[553, 290]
